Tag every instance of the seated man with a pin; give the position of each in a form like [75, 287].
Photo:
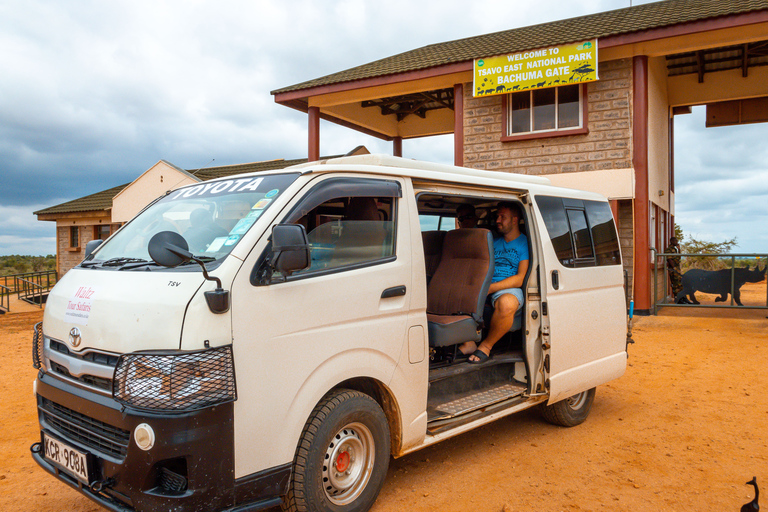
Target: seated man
[465, 216]
[510, 256]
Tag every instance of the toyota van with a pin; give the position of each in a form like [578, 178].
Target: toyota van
[274, 338]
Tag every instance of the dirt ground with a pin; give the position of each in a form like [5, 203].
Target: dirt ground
[683, 429]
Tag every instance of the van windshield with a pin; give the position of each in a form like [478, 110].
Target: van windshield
[212, 217]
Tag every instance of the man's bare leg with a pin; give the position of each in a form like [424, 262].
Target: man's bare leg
[501, 322]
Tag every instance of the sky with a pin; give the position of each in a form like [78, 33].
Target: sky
[94, 93]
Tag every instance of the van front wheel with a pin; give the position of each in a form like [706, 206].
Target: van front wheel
[570, 412]
[342, 457]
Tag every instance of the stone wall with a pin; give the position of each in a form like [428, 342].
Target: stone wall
[69, 256]
[606, 146]
[625, 225]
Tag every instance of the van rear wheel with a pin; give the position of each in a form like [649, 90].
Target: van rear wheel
[570, 412]
[342, 457]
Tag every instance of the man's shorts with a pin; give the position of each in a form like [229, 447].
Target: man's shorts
[517, 292]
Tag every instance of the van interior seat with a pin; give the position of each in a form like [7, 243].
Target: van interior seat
[364, 236]
[458, 289]
[433, 250]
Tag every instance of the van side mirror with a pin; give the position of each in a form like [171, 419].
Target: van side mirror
[290, 248]
[170, 249]
[91, 246]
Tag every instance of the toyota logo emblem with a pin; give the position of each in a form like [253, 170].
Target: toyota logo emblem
[74, 337]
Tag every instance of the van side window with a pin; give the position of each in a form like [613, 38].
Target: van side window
[552, 210]
[351, 231]
[582, 240]
[350, 222]
[583, 233]
[606, 241]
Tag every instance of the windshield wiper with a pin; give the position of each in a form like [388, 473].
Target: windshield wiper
[204, 259]
[118, 262]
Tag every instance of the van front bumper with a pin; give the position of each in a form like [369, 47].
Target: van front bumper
[190, 467]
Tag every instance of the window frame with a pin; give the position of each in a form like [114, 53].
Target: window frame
[97, 231]
[542, 134]
[566, 205]
[74, 237]
[329, 189]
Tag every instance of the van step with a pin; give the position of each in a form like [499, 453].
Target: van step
[471, 401]
[436, 374]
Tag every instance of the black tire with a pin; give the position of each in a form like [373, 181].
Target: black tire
[342, 457]
[570, 412]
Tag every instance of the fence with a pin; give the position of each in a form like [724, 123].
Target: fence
[29, 286]
[710, 279]
[5, 299]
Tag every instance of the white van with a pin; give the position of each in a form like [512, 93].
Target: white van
[271, 339]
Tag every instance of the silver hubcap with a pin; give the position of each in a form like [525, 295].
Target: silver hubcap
[348, 463]
[576, 402]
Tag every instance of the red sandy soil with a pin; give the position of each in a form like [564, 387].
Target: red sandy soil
[683, 429]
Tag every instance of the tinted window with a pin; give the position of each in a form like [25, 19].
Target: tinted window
[582, 240]
[603, 233]
[552, 210]
[583, 232]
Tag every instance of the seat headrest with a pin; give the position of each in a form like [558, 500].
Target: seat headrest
[466, 243]
[361, 208]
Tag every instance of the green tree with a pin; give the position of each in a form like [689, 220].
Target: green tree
[695, 246]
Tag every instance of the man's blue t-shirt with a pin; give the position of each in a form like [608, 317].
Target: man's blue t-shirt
[507, 256]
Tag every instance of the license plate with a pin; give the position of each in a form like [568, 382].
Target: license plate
[67, 458]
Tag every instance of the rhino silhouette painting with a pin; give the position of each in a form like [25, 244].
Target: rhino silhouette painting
[718, 282]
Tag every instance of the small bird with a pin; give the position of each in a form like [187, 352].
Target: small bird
[752, 506]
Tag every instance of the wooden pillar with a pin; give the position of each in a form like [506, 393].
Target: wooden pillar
[458, 125]
[314, 133]
[397, 146]
[642, 281]
[615, 210]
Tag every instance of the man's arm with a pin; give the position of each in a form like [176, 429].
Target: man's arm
[515, 281]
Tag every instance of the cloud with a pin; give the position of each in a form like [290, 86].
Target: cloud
[23, 234]
[721, 191]
[95, 93]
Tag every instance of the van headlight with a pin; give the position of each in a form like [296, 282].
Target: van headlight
[173, 380]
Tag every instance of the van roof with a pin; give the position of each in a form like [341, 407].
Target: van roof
[428, 171]
[398, 165]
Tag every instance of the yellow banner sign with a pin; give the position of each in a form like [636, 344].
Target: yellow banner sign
[536, 69]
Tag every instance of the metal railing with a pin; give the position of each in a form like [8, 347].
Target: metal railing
[718, 263]
[5, 299]
[28, 286]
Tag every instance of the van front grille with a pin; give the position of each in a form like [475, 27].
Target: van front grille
[95, 434]
[88, 380]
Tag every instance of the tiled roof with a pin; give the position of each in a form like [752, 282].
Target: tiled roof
[600, 25]
[94, 202]
[103, 200]
[230, 170]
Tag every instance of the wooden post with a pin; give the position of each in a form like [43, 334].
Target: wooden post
[458, 125]
[397, 146]
[642, 281]
[314, 133]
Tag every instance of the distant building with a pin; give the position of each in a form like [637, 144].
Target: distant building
[98, 215]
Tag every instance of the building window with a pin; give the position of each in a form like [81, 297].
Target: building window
[74, 236]
[101, 232]
[550, 112]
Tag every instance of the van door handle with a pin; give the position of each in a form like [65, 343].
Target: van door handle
[395, 291]
[555, 279]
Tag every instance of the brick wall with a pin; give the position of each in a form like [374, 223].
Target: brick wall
[606, 146]
[625, 225]
[69, 256]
